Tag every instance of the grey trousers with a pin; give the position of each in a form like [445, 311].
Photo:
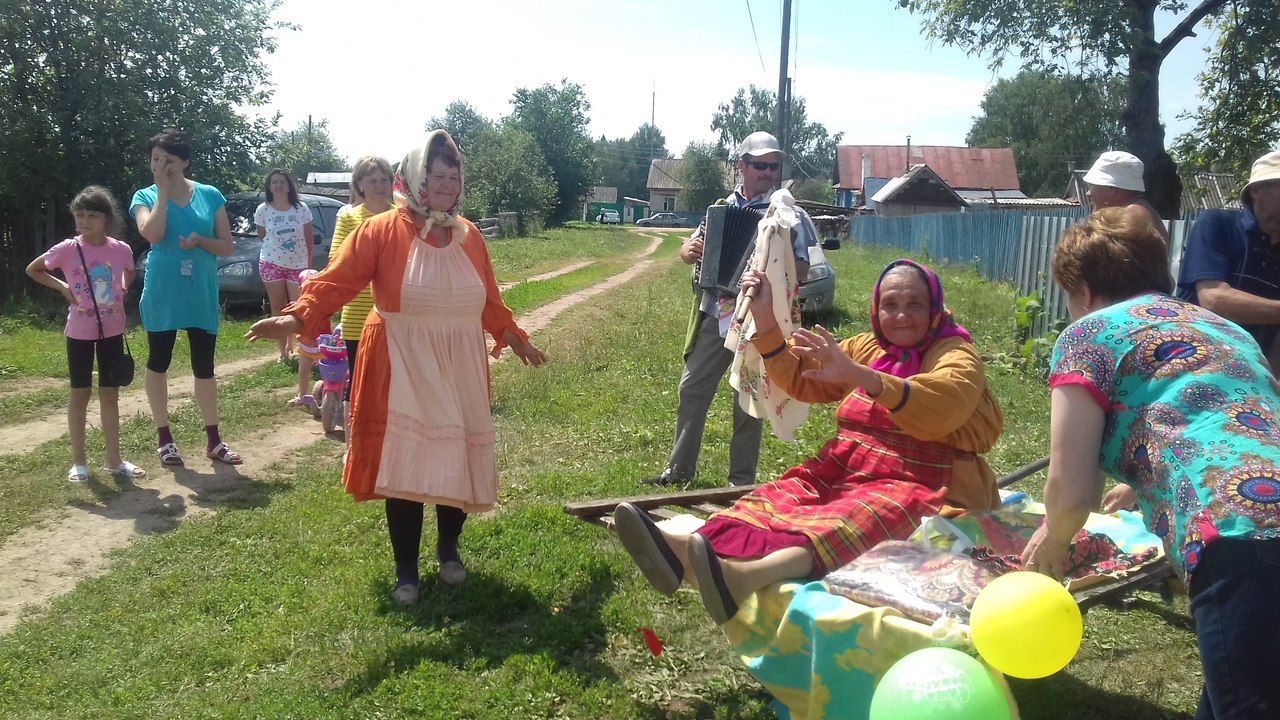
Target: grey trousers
[703, 370]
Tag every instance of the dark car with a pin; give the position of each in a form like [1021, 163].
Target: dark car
[238, 280]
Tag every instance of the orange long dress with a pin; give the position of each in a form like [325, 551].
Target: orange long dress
[420, 426]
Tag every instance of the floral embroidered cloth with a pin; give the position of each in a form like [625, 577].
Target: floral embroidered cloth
[921, 582]
[773, 254]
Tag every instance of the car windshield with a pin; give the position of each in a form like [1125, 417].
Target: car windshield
[240, 213]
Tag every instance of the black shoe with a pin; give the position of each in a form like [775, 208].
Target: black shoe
[668, 477]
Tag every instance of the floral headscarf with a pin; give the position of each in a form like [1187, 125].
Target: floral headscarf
[905, 362]
[411, 183]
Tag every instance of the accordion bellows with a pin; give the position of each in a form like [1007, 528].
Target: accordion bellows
[726, 247]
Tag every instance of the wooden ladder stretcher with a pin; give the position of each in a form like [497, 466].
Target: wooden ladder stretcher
[1157, 575]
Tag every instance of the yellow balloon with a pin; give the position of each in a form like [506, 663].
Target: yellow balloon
[1026, 625]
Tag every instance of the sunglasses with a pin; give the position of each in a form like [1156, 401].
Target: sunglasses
[762, 166]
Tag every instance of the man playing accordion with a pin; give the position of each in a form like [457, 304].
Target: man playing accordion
[706, 358]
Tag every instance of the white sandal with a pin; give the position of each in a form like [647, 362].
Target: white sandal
[127, 471]
[78, 474]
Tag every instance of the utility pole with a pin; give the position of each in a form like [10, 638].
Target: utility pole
[784, 99]
[308, 163]
[653, 105]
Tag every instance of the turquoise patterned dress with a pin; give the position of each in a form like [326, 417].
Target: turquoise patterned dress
[1192, 418]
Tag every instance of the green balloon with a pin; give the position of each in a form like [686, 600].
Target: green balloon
[939, 683]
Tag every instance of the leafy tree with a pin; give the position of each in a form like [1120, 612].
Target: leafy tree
[556, 118]
[506, 172]
[83, 84]
[815, 189]
[1050, 120]
[301, 151]
[813, 149]
[463, 123]
[1108, 37]
[1239, 119]
[701, 176]
[624, 163]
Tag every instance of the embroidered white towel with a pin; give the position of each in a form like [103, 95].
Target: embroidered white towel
[756, 394]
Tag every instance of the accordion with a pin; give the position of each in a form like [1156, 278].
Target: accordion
[727, 245]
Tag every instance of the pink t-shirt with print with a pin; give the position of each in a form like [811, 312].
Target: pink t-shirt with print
[107, 263]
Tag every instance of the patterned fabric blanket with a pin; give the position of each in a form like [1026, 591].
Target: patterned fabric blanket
[820, 654]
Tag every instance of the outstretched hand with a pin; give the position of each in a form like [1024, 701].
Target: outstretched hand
[276, 327]
[821, 346]
[523, 349]
[1120, 497]
[528, 354]
[1043, 555]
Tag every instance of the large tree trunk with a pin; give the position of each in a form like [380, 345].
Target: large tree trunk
[1142, 116]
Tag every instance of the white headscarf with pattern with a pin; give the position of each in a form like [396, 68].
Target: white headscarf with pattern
[411, 184]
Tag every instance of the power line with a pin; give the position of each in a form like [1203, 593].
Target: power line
[755, 37]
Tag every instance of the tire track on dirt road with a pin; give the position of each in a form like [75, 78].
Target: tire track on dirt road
[42, 562]
[45, 561]
[503, 287]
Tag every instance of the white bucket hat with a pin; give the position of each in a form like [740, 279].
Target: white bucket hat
[1265, 169]
[1117, 169]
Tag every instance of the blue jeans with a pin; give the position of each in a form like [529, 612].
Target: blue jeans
[1234, 595]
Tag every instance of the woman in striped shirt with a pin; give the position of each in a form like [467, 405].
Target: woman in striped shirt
[370, 195]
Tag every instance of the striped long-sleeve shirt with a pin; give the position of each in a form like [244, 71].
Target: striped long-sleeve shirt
[354, 312]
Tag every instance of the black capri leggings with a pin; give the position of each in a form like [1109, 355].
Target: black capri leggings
[80, 361]
[160, 351]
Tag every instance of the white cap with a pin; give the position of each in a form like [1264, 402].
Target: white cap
[759, 143]
[1265, 169]
[1117, 169]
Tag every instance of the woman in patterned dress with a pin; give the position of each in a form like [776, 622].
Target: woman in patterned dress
[915, 411]
[420, 429]
[1179, 405]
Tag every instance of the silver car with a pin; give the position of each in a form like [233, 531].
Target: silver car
[238, 279]
[818, 288]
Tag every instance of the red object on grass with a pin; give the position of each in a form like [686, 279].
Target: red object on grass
[651, 639]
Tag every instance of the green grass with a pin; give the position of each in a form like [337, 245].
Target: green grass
[35, 483]
[281, 609]
[517, 258]
[34, 348]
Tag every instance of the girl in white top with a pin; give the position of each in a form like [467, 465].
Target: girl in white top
[284, 226]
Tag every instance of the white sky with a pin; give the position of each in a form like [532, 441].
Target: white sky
[863, 66]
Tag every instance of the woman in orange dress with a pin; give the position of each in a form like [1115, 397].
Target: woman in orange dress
[420, 428]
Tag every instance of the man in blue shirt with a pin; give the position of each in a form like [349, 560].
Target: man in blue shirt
[1231, 264]
[706, 358]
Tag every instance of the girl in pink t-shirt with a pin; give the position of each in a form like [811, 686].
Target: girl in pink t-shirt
[94, 289]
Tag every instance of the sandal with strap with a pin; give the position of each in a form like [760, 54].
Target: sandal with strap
[222, 453]
[127, 471]
[169, 454]
[78, 474]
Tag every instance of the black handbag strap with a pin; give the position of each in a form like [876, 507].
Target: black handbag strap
[97, 314]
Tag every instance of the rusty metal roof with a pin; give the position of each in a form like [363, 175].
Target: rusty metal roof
[962, 168]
